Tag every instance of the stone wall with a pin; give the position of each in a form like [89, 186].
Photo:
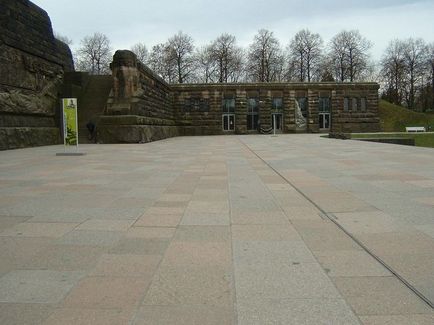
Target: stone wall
[355, 120]
[32, 63]
[198, 107]
[140, 104]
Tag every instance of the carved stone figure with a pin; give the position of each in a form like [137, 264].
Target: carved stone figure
[16, 101]
[125, 74]
[300, 120]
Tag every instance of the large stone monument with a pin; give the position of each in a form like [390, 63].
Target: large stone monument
[32, 64]
[140, 104]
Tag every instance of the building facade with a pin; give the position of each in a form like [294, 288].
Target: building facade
[286, 107]
[141, 104]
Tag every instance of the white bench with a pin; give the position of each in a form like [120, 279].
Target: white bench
[415, 129]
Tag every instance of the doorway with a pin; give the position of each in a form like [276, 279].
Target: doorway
[324, 120]
[228, 122]
[278, 119]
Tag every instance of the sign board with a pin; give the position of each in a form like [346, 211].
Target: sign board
[70, 125]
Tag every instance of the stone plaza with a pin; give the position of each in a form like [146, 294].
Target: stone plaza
[244, 229]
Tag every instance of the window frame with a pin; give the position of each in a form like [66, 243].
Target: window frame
[322, 100]
[226, 107]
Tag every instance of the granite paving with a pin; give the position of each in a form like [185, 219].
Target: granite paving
[293, 229]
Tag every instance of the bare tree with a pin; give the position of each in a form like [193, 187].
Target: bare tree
[405, 66]
[228, 58]
[160, 62]
[141, 52]
[206, 67]
[415, 64]
[349, 54]
[265, 58]
[393, 71]
[94, 54]
[327, 72]
[430, 67]
[305, 52]
[180, 49]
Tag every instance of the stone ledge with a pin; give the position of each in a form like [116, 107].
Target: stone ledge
[22, 137]
[134, 133]
[117, 120]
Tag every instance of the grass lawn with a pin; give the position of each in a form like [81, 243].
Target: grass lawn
[394, 119]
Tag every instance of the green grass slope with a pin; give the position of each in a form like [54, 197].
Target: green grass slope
[394, 118]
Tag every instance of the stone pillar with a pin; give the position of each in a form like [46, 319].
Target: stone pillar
[312, 125]
[240, 111]
[265, 108]
[337, 103]
[289, 110]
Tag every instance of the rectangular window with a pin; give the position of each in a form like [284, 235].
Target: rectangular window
[277, 103]
[187, 105]
[354, 105]
[252, 121]
[204, 105]
[228, 105]
[363, 104]
[324, 104]
[196, 104]
[346, 104]
[252, 113]
[252, 105]
[302, 103]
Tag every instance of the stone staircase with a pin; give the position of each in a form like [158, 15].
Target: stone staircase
[92, 103]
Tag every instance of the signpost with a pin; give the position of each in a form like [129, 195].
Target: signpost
[70, 127]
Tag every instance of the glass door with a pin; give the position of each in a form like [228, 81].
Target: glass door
[228, 122]
[324, 110]
[278, 119]
[324, 120]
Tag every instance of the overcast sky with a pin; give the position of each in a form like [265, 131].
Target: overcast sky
[131, 21]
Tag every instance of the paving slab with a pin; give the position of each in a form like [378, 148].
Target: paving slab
[264, 233]
[150, 232]
[86, 316]
[39, 229]
[107, 292]
[380, 296]
[350, 263]
[8, 222]
[158, 220]
[203, 234]
[184, 315]
[140, 246]
[296, 311]
[64, 258]
[398, 320]
[205, 218]
[37, 286]
[24, 314]
[183, 285]
[217, 230]
[91, 238]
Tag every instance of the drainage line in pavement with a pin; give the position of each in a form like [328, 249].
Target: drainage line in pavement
[333, 219]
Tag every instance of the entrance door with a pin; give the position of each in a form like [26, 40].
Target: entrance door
[324, 120]
[228, 122]
[278, 118]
